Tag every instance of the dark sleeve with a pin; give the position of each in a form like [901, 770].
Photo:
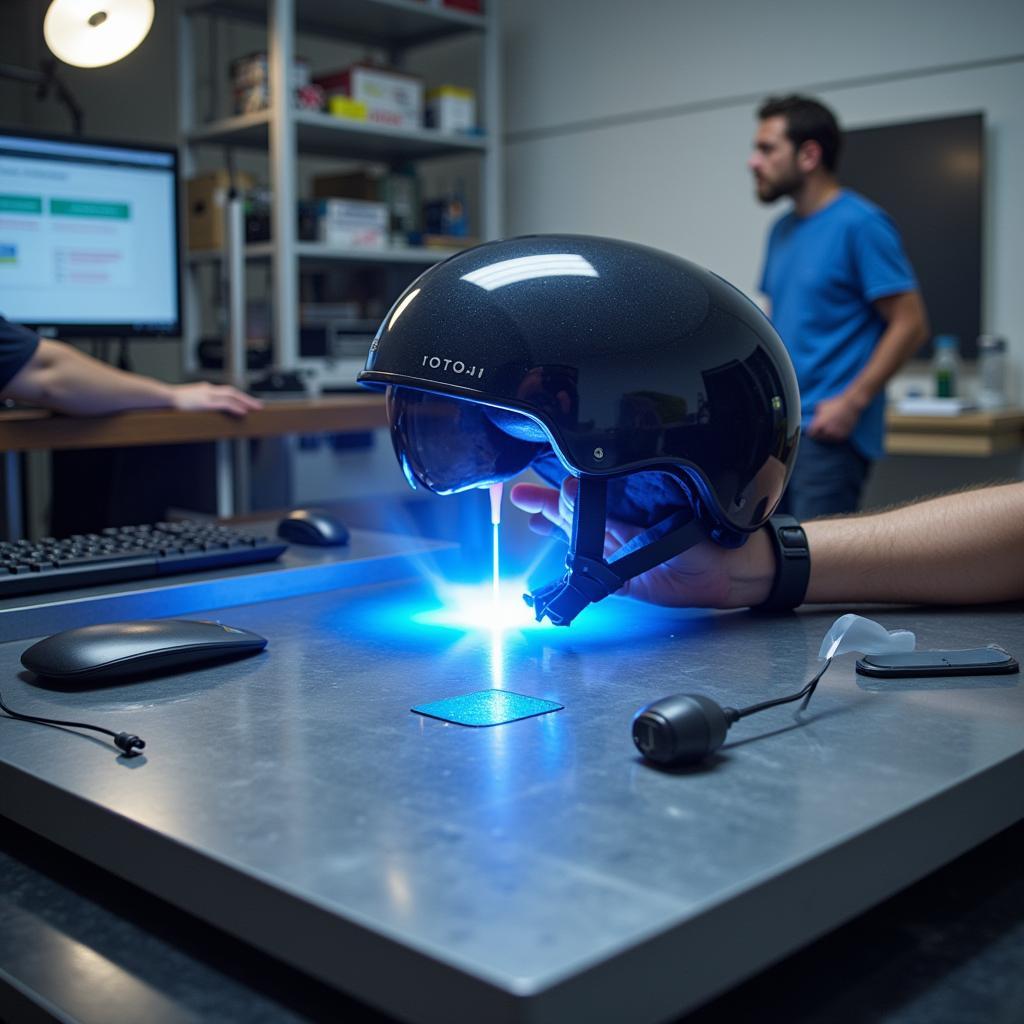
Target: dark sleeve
[17, 346]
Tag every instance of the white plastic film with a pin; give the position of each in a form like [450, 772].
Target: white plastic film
[865, 636]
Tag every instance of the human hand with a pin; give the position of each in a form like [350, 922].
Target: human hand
[205, 397]
[834, 419]
[705, 576]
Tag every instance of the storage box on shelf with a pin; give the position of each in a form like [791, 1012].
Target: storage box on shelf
[250, 84]
[390, 97]
[206, 196]
[451, 109]
[398, 190]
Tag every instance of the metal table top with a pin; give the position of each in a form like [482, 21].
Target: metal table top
[535, 871]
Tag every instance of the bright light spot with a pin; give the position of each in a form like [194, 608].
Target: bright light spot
[495, 567]
[89, 34]
[496, 615]
[525, 268]
[402, 308]
[470, 608]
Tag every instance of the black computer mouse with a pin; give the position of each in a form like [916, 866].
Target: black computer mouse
[313, 526]
[117, 650]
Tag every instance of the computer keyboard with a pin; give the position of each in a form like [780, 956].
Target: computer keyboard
[127, 553]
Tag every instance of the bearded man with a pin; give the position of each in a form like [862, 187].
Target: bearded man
[842, 296]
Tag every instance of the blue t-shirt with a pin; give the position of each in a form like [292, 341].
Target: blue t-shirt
[822, 274]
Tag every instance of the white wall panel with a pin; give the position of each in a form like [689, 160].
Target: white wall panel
[635, 120]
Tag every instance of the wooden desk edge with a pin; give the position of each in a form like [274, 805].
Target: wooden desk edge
[973, 434]
[29, 430]
[998, 422]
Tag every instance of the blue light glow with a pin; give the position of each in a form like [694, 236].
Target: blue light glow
[481, 606]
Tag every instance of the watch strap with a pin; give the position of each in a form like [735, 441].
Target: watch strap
[792, 564]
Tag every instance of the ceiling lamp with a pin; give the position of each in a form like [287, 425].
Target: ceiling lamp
[91, 33]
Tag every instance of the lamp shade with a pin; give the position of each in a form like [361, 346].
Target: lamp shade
[91, 33]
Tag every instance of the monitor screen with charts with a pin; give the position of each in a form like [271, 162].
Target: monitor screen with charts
[89, 242]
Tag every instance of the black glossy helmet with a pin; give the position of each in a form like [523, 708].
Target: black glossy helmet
[657, 383]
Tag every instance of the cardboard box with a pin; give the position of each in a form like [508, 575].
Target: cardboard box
[353, 223]
[451, 109]
[398, 191]
[250, 81]
[353, 185]
[206, 197]
[391, 97]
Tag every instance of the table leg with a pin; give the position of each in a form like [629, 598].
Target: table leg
[225, 480]
[243, 486]
[12, 496]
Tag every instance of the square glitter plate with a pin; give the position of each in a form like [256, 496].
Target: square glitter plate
[486, 707]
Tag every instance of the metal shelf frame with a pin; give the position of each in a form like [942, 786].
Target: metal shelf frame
[396, 25]
[384, 23]
[325, 135]
[318, 251]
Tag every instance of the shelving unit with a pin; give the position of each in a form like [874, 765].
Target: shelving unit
[325, 135]
[395, 26]
[384, 23]
[320, 251]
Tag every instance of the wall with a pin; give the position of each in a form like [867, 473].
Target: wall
[635, 120]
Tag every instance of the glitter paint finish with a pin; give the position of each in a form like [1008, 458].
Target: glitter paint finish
[637, 359]
[486, 707]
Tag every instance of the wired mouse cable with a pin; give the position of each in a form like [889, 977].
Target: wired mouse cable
[129, 744]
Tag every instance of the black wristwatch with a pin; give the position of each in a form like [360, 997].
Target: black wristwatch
[792, 564]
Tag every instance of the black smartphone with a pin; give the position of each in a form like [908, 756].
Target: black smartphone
[978, 661]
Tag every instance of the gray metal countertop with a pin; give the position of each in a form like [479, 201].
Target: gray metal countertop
[537, 870]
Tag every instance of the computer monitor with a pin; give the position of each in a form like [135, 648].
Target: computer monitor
[89, 240]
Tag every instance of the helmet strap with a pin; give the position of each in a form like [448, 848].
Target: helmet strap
[588, 576]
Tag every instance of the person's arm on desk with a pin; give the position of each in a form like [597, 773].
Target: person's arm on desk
[59, 377]
[965, 548]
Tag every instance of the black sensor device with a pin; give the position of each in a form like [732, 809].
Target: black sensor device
[686, 728]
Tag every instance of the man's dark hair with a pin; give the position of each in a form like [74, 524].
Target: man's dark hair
[807, 120]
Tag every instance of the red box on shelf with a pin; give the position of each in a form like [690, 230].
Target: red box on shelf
[391, 97]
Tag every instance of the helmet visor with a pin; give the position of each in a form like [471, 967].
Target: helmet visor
[448, 445]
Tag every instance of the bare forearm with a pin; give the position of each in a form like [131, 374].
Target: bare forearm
[62, 378]
[962, 548]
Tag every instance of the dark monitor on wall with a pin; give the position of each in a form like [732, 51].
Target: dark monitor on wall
[89, 240]
[927, 175]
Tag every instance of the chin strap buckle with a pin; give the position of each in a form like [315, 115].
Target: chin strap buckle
[588, 577]
[586, 581]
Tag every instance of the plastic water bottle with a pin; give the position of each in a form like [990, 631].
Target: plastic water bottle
[946, 365]
[991, 371]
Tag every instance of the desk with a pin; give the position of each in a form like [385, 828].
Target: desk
[971, 434]
[538, 871]
[26, 430]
